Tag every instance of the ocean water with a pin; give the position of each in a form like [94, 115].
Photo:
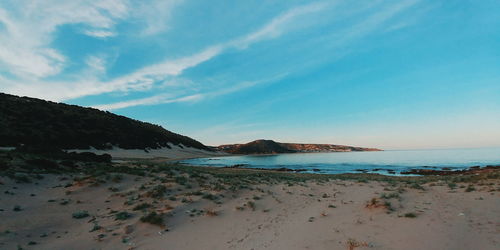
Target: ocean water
[390, 162]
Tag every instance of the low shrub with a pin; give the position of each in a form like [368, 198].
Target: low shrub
[80, 214]
[142, 206]
[153, 218]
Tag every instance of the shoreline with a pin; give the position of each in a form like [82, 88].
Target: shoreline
[411, 171]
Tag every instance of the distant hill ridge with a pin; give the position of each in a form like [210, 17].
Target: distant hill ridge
[36, 122]
[272, 147]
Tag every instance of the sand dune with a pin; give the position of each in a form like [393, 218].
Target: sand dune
[206, 211]
[175, 152]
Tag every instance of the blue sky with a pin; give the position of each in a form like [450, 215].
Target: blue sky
[389, 74]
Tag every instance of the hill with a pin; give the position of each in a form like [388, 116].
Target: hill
[255, 147]
[35, 122]
[272, 147]
[305, 148]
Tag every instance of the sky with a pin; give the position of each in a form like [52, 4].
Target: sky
[405, 74]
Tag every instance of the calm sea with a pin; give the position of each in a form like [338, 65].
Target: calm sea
[383, 162]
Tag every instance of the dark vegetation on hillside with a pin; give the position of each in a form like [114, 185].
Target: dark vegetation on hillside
[256, 147]
[35, 122]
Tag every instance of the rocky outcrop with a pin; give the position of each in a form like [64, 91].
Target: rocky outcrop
[448, 171]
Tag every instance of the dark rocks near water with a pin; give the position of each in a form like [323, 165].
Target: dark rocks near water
[237, 166]
[426, 170]
[282, 169]
[448, 171]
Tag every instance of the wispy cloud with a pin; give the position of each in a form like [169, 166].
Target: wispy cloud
[157, 99]
[171, 98]
[96, 63]
[379, 18]
[279, 24]
[99, 33]
[29, 25]
[155, 14]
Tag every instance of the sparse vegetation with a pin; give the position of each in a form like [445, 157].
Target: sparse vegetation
[251, 205]
[417, 186]
[80, 214]
[211, 213]
[390, 196]
[352, 244]
[123, 215]
[210, 196]
[410, 215]
[157, 192]
[153, 218]
[142, 206]
[470, 188]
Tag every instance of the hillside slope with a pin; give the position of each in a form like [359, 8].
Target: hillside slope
[272, 147]
[304, 148]
[36, 122]
[255, 147]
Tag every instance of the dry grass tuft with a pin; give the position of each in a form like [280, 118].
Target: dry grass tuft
[375, 203]
[352, 244]
[211, 212]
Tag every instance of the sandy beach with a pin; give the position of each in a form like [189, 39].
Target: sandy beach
[140, 205]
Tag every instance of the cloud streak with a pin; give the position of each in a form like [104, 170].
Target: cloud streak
[157, 99]
[29, 26]
[171, 98]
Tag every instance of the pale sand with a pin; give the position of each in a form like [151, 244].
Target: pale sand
[285, 217]
[173, 153]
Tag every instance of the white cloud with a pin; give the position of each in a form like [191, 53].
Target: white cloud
[29, 25]
[157, 99]
[96, 63]
[378, 18]
[155, 14]
[279, 24]
[171, 98]
[99, 33]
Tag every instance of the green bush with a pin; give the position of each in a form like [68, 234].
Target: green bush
[80, 214]
[142, 206]
[410, 215]
[157, 192]
[153, 218]
[123, 215]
